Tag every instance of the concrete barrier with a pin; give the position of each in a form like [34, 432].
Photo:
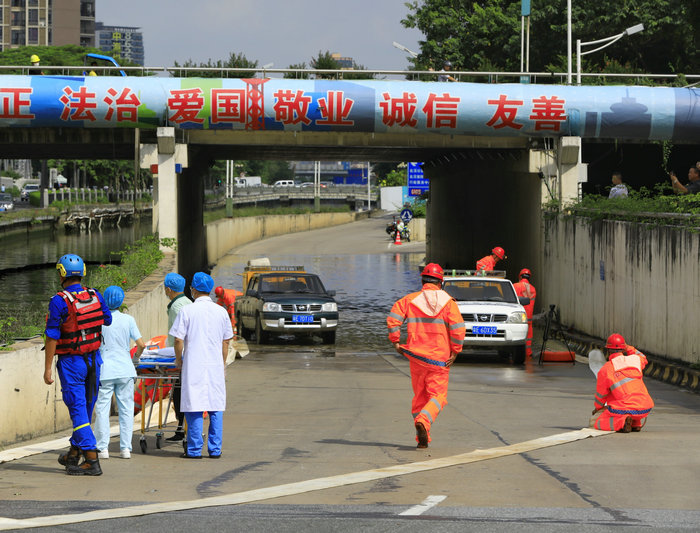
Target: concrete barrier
[31, 409]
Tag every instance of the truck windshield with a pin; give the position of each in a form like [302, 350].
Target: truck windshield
[464, 290]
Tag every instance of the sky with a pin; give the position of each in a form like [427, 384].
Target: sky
[282, 32]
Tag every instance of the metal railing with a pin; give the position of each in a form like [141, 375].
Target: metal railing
[558, 78]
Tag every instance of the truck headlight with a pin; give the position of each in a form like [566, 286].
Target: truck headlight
[329, 306]
[273, 307]
[517, 318]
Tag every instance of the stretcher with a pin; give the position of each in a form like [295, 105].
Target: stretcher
[156, 376]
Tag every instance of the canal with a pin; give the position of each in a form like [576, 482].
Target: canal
[24, 294]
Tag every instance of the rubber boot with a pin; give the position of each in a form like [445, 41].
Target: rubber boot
[89, 467]
[71, 457]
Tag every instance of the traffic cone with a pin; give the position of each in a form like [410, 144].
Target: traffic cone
[397, 239]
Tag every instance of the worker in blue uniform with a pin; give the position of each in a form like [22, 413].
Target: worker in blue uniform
[73, 333]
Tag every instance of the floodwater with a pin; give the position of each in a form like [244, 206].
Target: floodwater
[366, 286]
[28, 292]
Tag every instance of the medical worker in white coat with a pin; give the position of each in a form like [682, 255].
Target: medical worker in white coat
[202, 332]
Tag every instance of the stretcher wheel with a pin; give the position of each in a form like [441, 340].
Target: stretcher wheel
[144, 445]
[159, 440]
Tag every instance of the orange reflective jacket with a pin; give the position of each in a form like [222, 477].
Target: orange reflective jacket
[524, 289]
[227, 301]
[620, 385]
[486, 263]
[435, 326]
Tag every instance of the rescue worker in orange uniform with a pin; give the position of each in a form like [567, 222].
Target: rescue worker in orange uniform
[621, 397]
[435, 335]
[525, 289]
[489, 262]
[226, 299]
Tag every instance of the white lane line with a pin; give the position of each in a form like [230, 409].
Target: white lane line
[428, 503]
[61, 442]
[301, 487]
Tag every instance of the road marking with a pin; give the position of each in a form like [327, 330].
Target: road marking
[310, 485]
[428, 503]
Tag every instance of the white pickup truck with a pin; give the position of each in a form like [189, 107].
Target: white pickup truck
[493, 314]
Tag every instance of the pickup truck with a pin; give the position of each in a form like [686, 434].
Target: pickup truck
[285, 300]
[493, 314]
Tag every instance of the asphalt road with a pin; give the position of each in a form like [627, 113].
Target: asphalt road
[318, 439]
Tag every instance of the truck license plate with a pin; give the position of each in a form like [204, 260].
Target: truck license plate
[303, 318]
[484, 330]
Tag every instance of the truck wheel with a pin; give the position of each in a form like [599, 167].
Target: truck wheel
[245, 333]
[328, 337]
[518, 355]
[261, 336]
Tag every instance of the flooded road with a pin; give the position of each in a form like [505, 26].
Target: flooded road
[358, 261]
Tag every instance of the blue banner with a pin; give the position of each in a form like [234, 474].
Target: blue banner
[417, 183]
[498, 110]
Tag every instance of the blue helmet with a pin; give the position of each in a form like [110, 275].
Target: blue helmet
[114, 296]
[71, 265]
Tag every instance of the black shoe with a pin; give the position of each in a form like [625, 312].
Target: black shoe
[627, 427]
[89, 467]
[185, 456]
[422, 435]
[178, 436]
[70, 458]
[214, 456]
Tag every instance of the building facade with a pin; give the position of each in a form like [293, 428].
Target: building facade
[46, 23]
[121, 42]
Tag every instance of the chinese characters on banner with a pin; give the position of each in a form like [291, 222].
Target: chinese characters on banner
[197, 107]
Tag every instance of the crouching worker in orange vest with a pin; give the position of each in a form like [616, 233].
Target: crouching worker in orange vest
[524, 289]
[226, 299]
[435, 336]
[621, 397]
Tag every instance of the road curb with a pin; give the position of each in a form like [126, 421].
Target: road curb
[658, 368]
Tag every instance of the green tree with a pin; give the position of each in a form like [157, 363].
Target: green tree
[234, 61]
[297, 75]
[395, 178]
[324, 61]
[485, 34]
[67, 55]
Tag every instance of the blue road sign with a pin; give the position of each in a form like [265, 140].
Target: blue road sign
[417, 183]
[406, 215]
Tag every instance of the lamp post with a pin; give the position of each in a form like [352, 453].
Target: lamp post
[405, 49]
[605, 43]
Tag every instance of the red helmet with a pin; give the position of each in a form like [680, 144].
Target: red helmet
[219, 291]
[525, 273]
[499, 252]
[616, 342]
[434, 271]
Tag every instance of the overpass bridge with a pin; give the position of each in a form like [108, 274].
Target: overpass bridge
[493, 152]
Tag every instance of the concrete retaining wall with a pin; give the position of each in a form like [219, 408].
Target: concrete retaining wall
[637, 280]
[228, 233]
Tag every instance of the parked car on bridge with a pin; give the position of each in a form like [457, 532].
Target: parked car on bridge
[28, 188]
[493, 314]
[6, 202]
[285, 300]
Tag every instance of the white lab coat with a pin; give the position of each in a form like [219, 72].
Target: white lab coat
[203, 326]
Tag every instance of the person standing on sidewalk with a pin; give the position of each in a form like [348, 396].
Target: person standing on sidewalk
[74, 332]
[174, 290]
[117, 375]
[435, 336]
[202, 333]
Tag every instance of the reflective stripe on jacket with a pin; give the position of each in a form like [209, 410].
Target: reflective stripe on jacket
[435, 326]
[620, 385]
[486, 263]
[524, 289]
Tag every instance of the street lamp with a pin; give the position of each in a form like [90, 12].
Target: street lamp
[607, 42]
[402, 47]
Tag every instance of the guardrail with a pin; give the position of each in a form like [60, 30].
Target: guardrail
[262, 194]
[558, 78]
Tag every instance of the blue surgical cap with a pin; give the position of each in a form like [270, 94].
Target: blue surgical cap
[202, 282]
[175, 282]
[114, 296]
